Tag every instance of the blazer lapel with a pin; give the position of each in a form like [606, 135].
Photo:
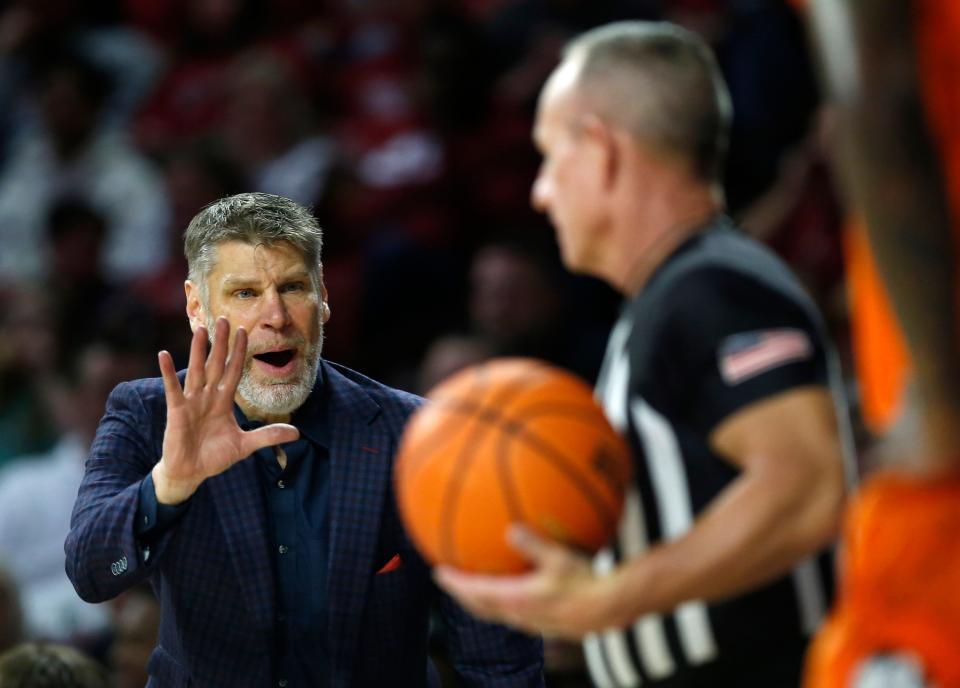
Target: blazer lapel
[243, 517]
[360, 455]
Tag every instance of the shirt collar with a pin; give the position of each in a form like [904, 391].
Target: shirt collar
[310, 419]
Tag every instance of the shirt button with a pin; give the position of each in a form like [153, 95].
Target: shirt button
[282, 549]
[282, 683]
[146, 520]
[281, 617]
[281, 484]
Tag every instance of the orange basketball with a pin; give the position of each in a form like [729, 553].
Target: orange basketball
[509, 441]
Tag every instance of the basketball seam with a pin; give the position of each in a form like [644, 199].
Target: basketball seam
[512, 499]
[551, 454]
[461, 468]
[560, 408]
[411, 464]
[516, 429]
[413, 451]
[452, 489]
[573, 411]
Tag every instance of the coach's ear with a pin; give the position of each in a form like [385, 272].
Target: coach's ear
[324, 307]
[195, 312]
[324, 299]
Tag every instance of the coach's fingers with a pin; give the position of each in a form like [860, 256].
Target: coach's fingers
[231, 377]
[195, 366]
[171, 385]
[217, 359]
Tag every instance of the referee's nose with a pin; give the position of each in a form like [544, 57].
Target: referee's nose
[540, 191]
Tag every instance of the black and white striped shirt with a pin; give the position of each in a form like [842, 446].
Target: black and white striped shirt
[720, 325]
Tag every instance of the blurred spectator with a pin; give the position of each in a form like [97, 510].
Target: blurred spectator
[28, 351]
[450, 354]
[412, 293]
[70, 155]
[11, 614]
[37, 494]
[526, 37]
[390, 197]
[761, 48]
[513, 297]
[195, 175]
[386, 137]
[518, 300]
[202, 36]
[76, 234]
[136, 623]
[40, 665]
[455, 78]
[27, 30]
[489, 159]
[271, 131]
[133, 63]
[799, 217]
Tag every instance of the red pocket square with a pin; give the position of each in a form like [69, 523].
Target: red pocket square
[392, 565]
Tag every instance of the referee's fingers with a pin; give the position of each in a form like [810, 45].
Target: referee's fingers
[538, 551]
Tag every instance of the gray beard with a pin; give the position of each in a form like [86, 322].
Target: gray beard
[278, 398]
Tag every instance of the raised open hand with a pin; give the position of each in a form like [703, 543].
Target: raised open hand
[202, 438]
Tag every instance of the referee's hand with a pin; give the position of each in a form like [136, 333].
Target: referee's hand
[558, 597]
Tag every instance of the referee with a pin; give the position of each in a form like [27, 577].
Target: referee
[718, 373]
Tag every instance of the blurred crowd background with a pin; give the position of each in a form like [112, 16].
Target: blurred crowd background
[405, 125]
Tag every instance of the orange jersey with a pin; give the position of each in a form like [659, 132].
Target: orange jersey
[900, 576]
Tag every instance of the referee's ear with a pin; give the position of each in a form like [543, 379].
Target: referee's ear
[604, 146]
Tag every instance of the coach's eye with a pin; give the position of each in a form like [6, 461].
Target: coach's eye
[243, 293]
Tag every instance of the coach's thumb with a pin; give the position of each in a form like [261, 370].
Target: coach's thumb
[268, 436]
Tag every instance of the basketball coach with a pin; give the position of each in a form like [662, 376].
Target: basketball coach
[253, 489]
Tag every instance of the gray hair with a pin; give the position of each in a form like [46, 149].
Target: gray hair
[46, 665]
[254, 218]
[662, 84]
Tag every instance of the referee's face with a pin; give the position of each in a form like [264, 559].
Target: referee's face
[567, 183]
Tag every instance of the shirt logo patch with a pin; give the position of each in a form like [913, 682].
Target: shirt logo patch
[746, 355]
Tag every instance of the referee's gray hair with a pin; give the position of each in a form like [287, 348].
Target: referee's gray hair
[662, 84]
[254, 218]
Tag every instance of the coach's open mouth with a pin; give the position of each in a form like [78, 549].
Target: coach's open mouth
[280, 361]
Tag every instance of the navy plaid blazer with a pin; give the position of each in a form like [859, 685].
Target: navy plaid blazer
[213, 571]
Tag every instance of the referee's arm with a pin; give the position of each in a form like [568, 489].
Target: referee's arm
[785, 504]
